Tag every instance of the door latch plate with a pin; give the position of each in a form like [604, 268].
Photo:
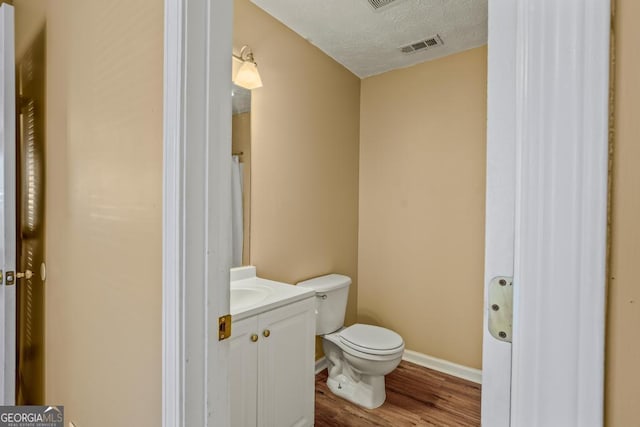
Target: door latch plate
[501, 308]
[224, 327]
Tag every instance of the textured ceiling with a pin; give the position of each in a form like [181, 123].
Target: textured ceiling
[368, 41]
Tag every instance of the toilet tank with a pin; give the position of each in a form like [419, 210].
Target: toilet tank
[332, 292]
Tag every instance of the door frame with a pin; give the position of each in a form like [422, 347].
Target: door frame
[196, 211]
[499, 202]
[549, 75]
[8, 214]
[196, 197]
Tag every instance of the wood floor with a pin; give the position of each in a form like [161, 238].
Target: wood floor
[416, 396]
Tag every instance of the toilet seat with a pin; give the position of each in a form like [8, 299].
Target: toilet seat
[373, 340]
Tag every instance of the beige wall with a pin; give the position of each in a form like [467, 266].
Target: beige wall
[241, 143]
[623, 328]
[305, 125]
[104, 209]
[422, 189]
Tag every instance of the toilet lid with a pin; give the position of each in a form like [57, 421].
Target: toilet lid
[371, 339]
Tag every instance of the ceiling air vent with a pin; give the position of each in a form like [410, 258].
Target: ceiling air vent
[379, 4]
[425, 44]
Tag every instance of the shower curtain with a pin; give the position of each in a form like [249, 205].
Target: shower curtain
[236, 211]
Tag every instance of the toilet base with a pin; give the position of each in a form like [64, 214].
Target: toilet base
[369, 392]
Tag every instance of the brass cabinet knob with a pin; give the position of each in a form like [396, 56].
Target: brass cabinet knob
[266, 333]
[254, 337]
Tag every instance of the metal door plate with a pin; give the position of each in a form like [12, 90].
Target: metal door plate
[501, 308]
[224, 327]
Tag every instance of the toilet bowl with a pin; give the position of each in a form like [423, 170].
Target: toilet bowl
[359, 356]
[356, 367]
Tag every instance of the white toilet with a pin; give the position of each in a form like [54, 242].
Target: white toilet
[360, 355]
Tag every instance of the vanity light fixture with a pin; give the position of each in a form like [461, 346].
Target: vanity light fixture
[247, 76]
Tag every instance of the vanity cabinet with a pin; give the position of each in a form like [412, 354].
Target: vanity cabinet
[271, 364]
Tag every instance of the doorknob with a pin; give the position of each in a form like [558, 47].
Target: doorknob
[28, 274]
[266, 333]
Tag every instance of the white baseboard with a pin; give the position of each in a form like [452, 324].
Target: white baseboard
[440, 365]
[321, 364]
[450, 368]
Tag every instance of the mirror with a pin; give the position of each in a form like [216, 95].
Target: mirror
[241, 174]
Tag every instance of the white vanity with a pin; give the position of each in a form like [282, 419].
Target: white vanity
[271, 360]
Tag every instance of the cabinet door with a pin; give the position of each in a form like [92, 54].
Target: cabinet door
[243, 372]
[286, 366]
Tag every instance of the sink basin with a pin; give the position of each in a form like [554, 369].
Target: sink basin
[252, 295]
[242, 297]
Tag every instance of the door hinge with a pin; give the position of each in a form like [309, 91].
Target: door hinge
[501, 308]
[224, 327]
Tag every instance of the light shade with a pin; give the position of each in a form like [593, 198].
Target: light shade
[248, 76]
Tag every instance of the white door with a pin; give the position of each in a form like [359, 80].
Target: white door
[7, 206]
[547, 166]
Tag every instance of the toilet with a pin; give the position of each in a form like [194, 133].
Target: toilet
[359, 356]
